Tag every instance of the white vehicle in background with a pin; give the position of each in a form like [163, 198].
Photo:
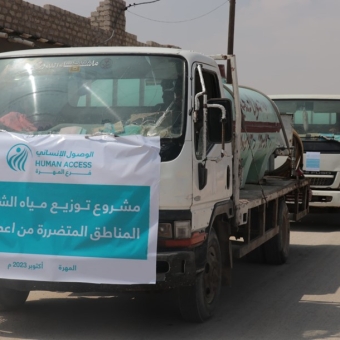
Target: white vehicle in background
[316, 118]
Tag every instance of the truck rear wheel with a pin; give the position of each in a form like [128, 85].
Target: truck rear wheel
[11, 299]
[197, 303]
[277, 248]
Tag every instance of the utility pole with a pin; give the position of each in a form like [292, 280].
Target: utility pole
[231, 36]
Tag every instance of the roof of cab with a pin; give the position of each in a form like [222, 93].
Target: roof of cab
[100, 50]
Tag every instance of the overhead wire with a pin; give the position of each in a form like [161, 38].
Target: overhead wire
[123, 10]
[179, 21]
[150, 19]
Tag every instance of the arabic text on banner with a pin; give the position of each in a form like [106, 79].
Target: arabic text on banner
[78, 209]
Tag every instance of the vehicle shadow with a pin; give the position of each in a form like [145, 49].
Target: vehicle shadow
[297, 300]
[318, 223]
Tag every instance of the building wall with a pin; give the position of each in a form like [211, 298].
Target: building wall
[51, 26]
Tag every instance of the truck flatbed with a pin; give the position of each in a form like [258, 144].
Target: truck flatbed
[253, 195]
[259, 207]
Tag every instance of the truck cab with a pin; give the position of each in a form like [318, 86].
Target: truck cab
[316, 119]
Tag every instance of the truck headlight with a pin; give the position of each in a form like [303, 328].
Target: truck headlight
[182, 229]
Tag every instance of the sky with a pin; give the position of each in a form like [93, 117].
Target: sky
[281, 46]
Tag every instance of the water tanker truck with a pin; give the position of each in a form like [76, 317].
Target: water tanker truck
[137, 169]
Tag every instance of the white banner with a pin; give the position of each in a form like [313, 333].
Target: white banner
[79, 209]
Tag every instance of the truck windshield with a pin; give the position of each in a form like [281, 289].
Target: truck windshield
[116, 94]
[312, 116]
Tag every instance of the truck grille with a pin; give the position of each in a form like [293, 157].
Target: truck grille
[322, 178]
[317, 181]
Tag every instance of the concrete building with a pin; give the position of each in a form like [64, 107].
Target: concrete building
[24, 25]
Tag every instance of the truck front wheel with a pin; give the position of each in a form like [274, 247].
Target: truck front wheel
[11, 299]
[197, 303]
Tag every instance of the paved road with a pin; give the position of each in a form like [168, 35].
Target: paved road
[298, 300]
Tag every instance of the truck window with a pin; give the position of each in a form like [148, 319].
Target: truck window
[312, 116]
[96, 93]
[213, 91]
[128, 93]
[99, 94]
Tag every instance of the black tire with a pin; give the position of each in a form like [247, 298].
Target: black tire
[198, 302]
[276, 249]
[11, 299]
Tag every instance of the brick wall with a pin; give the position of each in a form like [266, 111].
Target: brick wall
[53, 26]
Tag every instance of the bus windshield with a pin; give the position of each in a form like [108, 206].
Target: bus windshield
[312, 116]
[93, 94]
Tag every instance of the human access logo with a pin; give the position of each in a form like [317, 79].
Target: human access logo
[17, 157]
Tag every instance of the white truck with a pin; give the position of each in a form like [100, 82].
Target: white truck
[316, 119]
[74, 124]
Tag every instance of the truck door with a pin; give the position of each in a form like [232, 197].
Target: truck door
[218, 187]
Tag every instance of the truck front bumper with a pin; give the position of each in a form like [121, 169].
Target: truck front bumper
[173, 269]
[325, 199]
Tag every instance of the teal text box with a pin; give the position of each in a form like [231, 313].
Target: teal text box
[96, 221]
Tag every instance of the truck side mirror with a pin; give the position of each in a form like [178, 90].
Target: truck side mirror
[215, 120]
